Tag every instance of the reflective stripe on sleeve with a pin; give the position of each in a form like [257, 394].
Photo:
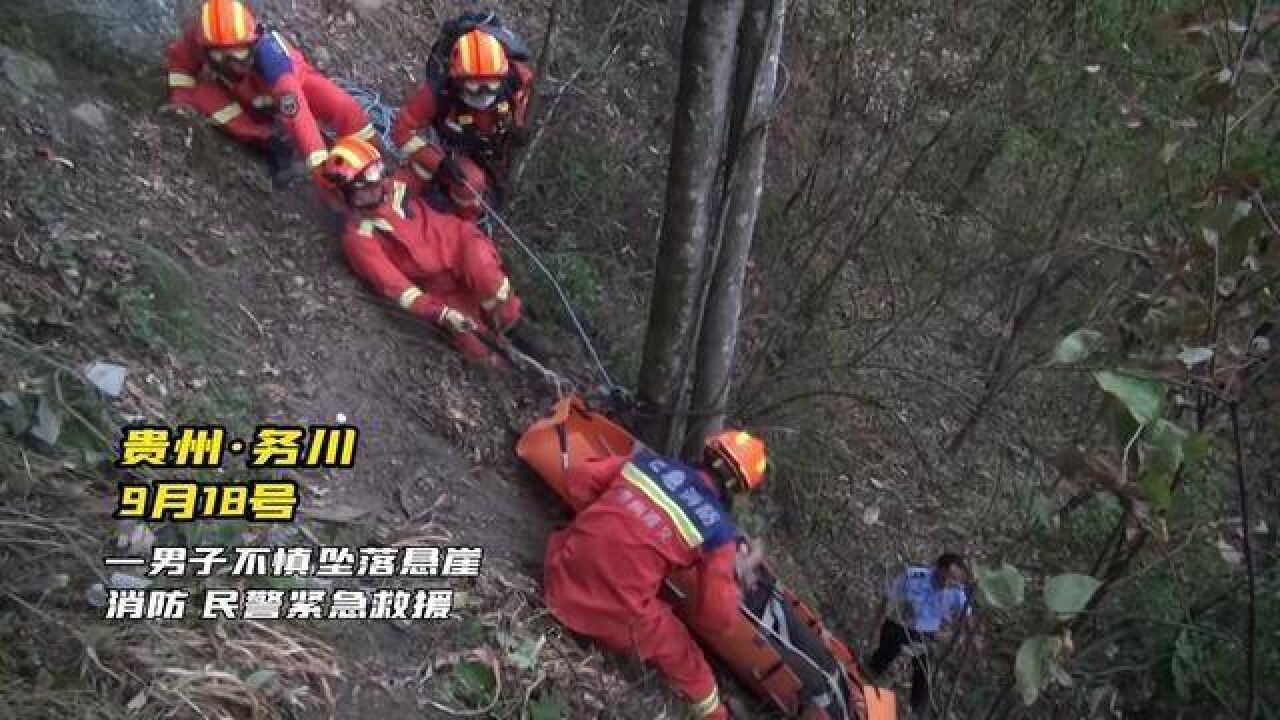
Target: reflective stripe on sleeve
[317, 157]
[420, 170]
[181, 80]
[499, 297]
[367, 133]
[412, 145]
[408, 297]
[398, 190]
[228, 113]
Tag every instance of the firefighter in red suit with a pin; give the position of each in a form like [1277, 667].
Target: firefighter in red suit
[637, 519]
[432, 264]
[227, 67]
[471, 114]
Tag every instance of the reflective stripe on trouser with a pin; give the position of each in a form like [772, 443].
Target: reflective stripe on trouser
[181, 80]
[665, 641]
[707, 705]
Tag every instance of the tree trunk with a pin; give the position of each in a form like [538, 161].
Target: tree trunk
[755, 80]
[710, 35]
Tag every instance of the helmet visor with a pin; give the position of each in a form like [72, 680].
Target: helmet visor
[367, 189]
[480, 95]
[222, 56]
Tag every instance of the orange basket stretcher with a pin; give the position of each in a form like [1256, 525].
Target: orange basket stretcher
[777, 647]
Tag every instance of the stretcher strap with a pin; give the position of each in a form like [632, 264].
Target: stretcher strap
[832, 679]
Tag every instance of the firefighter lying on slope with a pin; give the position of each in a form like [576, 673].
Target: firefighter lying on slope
[257, 89]
[434, 265]
[470, 113]
[638, 518]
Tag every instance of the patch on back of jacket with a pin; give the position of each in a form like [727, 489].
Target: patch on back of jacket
[676, 488]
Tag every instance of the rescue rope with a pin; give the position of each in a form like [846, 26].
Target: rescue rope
[610, 387]
[380, 113]
[382, 116]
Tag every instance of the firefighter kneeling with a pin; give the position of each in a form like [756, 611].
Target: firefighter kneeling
[434, 265]
[638, 518]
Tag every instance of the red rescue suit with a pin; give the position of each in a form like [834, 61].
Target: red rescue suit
[479, 137]
[429, 262]
[245, 108]
[638, 519]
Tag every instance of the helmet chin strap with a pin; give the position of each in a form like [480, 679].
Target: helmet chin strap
[356, 195]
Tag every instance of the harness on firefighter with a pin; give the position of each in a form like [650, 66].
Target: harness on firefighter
[459, 119]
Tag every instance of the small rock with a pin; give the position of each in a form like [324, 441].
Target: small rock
[27, 73]
[123, 581]
[92, 115]
[135, 540]
[107, 377]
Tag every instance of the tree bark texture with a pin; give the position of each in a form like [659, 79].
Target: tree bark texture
[707, 62]
[760, 46]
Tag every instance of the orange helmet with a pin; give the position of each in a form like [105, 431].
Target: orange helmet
[351, 160]
[743, 453]
[478, 56]
[227, 23]
[355, 167]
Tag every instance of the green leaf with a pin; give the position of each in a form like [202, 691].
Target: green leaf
[260, 678]
[17, 411]
[1122, 426]
[1196, 448]
[48, 424]
[525, 656]
[1183, 665]
[1031, 667]
[1003, 588]
[1067, 594]
[1158, 487]
[1168, 439]
[1144, 398]
[548, 707]
[1044, 511]
[476, 678]
[1076, 346]
[1194, 356]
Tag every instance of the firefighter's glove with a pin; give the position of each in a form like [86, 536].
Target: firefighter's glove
[455, 322]
[451, 169]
